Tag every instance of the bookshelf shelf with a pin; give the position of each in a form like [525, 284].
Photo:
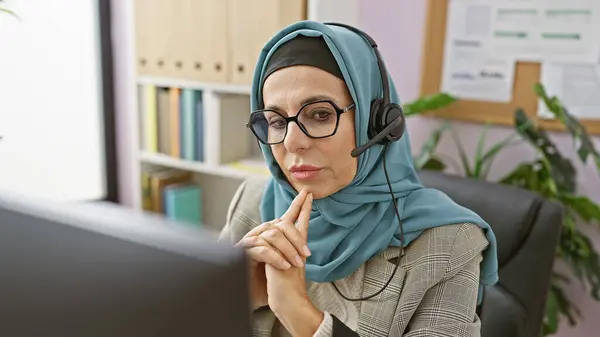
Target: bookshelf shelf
[218, 88]
[233, 170]
[224, 150]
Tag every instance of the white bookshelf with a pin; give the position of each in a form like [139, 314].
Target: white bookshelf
[228, 144]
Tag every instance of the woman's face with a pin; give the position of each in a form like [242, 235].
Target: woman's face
[321, 166]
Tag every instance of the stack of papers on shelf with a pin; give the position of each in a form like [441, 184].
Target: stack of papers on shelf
[254, 165]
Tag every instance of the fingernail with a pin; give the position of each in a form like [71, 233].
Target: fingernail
[306, 250]
[299, 262]
[285, 265]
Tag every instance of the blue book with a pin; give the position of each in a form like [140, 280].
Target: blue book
[189, 98]
[199, 128]
[183, 202]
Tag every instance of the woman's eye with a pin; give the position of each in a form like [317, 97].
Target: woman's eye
[276, 123]
[321, 115]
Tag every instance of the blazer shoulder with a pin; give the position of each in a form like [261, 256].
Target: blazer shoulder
[468, 245]
[243, 212]
[446, 249]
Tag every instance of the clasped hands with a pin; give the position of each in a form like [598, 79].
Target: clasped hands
[277, 250]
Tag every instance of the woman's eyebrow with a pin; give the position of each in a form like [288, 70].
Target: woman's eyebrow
[315, 98]
[308, 99]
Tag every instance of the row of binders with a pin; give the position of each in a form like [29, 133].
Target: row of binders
[215, 41]
[172, 121]
[172, 193]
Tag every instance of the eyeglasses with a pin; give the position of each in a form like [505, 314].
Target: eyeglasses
[317, 119]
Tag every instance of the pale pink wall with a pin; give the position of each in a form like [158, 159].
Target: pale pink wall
[397, 25]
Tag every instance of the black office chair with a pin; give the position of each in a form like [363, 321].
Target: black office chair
[527, 228]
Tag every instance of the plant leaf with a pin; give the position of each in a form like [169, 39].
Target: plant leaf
[477, 167]
[583, 206]
[572, 124]
[558, 304]
[551, 319]
[462, 154]
[578, 251]
[428, 103]
[483, 160]
[521, 176]
[434, 164]
[533, 176]
[562, 171]
[494, 150]
[490, 155]
[428, 149]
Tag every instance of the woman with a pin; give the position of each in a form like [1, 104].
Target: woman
[332, 253]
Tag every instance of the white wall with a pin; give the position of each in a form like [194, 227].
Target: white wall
[51, 101]
[343, 11]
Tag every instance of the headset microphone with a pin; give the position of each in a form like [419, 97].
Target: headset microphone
[378, 138]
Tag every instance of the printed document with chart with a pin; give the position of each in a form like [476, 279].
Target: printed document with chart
[485, 38]
[575, 76]
[546, 30]
[469, 71]
[576, 84]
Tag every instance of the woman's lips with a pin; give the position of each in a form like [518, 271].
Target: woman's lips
[304, 172]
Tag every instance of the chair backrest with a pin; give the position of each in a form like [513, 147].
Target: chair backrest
[527, 228]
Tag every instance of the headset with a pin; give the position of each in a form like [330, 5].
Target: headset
[387, 124]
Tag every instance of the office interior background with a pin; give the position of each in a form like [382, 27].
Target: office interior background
[88, 89]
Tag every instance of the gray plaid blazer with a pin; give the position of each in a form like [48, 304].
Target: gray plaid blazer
[433, 293]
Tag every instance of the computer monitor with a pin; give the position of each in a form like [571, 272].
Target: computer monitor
[100, 270]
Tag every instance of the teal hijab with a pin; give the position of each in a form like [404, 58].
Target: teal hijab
[351, 226]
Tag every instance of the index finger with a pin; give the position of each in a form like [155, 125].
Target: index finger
[292, 212]
[304, 217]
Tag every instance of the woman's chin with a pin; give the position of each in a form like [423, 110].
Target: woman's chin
[319, 189]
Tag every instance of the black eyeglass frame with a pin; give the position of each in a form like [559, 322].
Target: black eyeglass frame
[294, 119]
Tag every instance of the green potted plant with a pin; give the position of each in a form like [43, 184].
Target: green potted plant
[552, 175]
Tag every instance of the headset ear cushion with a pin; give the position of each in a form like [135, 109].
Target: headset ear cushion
[376, 118]
[392, 112]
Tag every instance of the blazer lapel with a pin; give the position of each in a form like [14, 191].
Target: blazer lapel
[377, 313]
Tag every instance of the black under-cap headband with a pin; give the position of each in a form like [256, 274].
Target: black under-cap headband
[303, 50]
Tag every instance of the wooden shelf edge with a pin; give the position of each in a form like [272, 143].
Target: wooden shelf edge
[223, 170]
[591, 126]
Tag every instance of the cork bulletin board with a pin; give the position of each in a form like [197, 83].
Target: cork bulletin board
[527, 74]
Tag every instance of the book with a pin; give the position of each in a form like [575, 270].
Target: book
[164, 121]
[189, 99]
[174, 123]
[150, 118]
[159, 180]
[199, 128]
[183, 202]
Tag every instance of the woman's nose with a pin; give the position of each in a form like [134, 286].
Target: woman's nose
[296, 140]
